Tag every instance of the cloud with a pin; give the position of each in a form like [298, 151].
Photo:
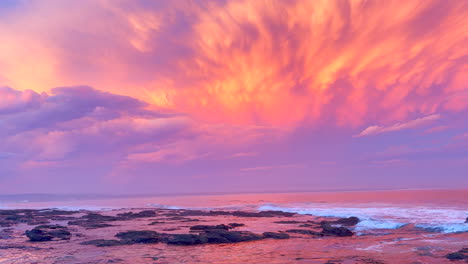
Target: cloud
[262, 168]
[374, 130]
[74, 120]
[280, 63]
[12, 101]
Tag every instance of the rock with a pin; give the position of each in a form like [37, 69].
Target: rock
[233, 225]
[348, 221]
[303, 231]
[54, 212]
[306, 225]
[466, 221]
[144, 237]
[329, 230]
[288, 222]
[142, 214]
[6, 233]
[48, 232]
[171, 229]
[89, 224]
[209, 227]
[275, 235]
[156, 222]
[216, 236]
[186, 239]
[460, 255]
[103, 243]
[100, 218]
[262, 214]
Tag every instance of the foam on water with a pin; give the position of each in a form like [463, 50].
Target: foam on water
[162, 206]
[445, 220]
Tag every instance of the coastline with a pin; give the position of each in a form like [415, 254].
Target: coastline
[172, 236]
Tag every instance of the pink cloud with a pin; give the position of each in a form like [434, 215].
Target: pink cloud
[285, 166]
[375, 129]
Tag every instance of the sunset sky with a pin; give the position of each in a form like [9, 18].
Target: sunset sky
[126, 96]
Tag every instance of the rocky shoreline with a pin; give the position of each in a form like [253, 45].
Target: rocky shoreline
[121, 228]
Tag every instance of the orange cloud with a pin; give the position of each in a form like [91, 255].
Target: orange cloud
[278, 63]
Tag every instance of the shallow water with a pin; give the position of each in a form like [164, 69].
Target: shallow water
[411, 226]
[436, 210]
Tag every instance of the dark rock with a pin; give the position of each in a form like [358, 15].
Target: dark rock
[466, 221]
[231, 236]
[303, 231]
[186, 239]
[156, 222]
[103, 243]
[55, 212]
[348, 221]
[89, 224]
[6, 233]
[142, 214]
[306, 225]
[144, 237]
[262, 214]
[275, 235]
[235, 224]
[210, 227]
[100, 218]
[288, 222]
[329, 230]
[460, 255]
[48, 232]
[177, 218]
[171, 229]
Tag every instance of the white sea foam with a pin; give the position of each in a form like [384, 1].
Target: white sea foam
[445, 220]
[162, 206]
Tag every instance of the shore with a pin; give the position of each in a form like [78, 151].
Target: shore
[196, 236]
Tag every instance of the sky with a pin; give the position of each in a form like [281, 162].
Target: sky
[142, 96]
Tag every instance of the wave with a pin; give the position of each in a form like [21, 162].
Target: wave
[444, 220]
[162, 206]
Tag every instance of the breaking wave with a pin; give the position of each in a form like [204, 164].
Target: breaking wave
[444, 220]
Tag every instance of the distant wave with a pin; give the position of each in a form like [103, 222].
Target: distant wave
[162, 206]
[445, 220]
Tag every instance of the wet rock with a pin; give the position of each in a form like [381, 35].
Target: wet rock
[55, 212]
[157, 223]
[329, 230]
[21, 247]
[262, 214]
[459, 255]
[233, 225]
[142, 214]
[233, 213]
[177, 218]
[103, 243]
[48, 232]
[186, 239]
[100, 218]
[89, 224]
[275, 235]
[6, 233]
[171, 229]
[348, 221]
[210, 227]
[219, 236]
[288, 222]
[144, 237]
[303, 231]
